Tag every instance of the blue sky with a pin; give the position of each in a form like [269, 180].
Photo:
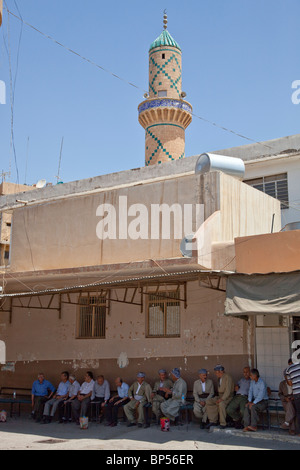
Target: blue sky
[240, 58]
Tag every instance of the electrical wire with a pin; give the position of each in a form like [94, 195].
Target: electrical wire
[12, 139]
[226, 129]
[71, 50]
[107, 279]
[13, 85]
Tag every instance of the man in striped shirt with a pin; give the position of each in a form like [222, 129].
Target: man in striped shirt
[293, 377]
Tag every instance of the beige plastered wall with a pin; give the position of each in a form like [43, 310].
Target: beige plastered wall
[242, 211]
[62, 234]
[277, 252]
[39, 340]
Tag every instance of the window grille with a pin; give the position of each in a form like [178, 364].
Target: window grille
[275, 186]
[164, 315]
[92, 317]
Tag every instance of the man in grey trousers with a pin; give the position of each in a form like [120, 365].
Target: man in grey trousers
[257, 401]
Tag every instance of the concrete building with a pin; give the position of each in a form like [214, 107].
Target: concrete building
[265, 291]
[6, 220]
[77, 299]
[273, 167]
[97, 278]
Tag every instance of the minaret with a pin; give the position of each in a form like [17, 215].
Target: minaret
[164, 114]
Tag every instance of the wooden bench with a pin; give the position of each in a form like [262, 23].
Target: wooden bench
[23, 397]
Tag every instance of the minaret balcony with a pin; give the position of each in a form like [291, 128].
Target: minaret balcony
[158, 110]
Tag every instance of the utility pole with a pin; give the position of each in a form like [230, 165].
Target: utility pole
[4, 174]
[59, 163]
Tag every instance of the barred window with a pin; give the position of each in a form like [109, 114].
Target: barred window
[163, 315]
[92, 317]
[275, 186]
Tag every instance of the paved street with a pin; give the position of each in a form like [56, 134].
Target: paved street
[24, 434]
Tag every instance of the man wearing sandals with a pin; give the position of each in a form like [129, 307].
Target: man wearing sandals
[257, 401]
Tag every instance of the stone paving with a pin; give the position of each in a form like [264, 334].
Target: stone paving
[23, 433]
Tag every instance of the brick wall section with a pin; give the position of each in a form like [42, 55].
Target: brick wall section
[164, 143]
[165, 72]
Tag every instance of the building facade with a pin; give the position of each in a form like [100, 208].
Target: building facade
[6, 220]
[97, 278]
[273, 167]
[79, 297]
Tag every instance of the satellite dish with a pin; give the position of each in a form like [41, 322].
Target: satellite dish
[186, 246]
[183, 94]
[146, 96]
[41, 184]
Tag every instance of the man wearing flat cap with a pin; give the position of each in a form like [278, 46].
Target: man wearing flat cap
[139, 394]
[216, 407]
[160, 392]
[170, 408]
[203, 390]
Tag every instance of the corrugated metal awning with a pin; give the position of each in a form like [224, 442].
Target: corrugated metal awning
[109, 276]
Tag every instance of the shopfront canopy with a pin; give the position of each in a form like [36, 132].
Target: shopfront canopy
[263, 294]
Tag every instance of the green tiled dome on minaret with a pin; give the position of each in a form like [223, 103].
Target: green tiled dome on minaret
[164, 114]
[165, 39]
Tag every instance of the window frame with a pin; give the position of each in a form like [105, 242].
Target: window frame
[164, 298]
[94, 305]
[267, 179]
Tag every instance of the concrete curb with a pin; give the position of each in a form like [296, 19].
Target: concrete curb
[267, 435]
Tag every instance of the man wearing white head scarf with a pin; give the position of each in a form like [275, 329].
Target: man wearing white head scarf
[160, 392]
[216, 406]
[170, 408]
[139, 394]
[203, 390]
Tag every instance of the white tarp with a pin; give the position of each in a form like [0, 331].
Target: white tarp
[263, 294]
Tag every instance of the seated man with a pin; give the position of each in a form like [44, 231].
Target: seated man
[119, 400]
[139, 394]
[42, 390]
[160, 392]
[287, 399]
[216, 407]
[64, 407]
[101, 393]
[80, 405]
[257, 401]
[60, 395]
[203, 390]
[170, 408]
[236, 408]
